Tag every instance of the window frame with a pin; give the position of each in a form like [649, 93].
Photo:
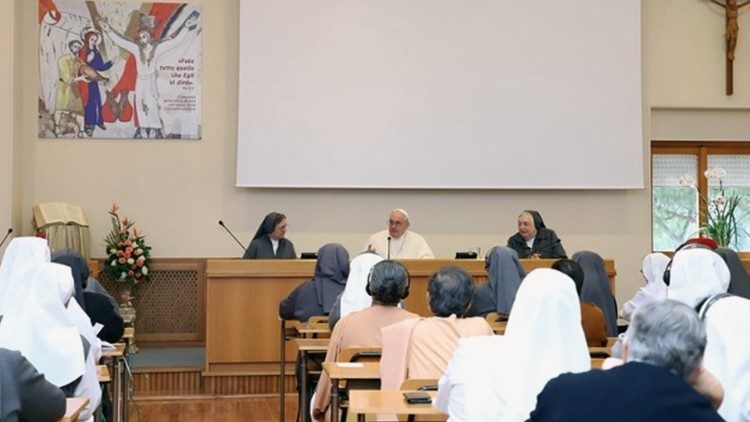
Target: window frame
[701, 149]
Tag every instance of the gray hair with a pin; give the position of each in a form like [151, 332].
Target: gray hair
[667, 334]
[451, 291]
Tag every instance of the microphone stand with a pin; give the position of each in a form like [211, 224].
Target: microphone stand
[6, 237]
[221, 223]
[389, 248]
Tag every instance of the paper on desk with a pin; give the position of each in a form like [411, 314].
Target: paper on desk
[108, 346]
[97, 327]
[350, 365]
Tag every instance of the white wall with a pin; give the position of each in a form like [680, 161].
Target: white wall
[177, 206]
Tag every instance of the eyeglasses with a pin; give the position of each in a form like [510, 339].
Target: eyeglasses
[396, 223]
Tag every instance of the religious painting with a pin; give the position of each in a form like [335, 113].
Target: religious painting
[116, 70]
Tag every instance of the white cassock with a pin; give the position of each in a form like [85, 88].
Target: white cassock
[409, 246]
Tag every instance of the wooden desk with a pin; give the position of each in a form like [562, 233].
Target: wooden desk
[338, 371]
[120, 381]
[73, 407]
[364, 402]
[102, 372]
[307, 346]
[129, 333]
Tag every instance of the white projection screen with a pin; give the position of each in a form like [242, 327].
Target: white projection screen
[440, 94]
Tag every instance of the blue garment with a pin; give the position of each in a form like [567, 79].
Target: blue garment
[634, 391]
[92, 110]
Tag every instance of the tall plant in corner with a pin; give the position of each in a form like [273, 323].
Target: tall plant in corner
[720, 219]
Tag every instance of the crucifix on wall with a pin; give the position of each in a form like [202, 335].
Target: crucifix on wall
[731, 11]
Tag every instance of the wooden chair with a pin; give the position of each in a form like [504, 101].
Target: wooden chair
[360, 354]
[356, 354]
[320, 321]
[596, 363]
[420, 385]
[495, 317]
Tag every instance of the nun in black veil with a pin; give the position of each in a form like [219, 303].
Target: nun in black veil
[534, 239]
[269, 241]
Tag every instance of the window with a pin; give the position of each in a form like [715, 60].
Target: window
[678, 184]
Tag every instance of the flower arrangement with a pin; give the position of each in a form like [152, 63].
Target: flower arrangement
[128, 257]
[719, 219]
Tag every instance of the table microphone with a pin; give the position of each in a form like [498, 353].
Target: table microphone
[389, 248]
[221, 223]
[6, 237]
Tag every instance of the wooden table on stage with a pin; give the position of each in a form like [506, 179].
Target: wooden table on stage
[366, 402]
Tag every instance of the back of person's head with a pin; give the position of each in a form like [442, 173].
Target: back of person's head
[695, 274]
[667, 334]
[572, 269]
[388, 282]
[451, 290]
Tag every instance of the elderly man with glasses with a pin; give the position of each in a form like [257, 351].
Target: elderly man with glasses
[397, 242]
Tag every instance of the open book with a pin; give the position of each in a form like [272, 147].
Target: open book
[58, 212]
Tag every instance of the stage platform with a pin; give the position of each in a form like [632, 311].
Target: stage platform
[179, 371]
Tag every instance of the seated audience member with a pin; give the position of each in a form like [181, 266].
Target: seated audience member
[534, 240]
[497, 378]
[92, 285]
[25, 394]
[739, 283]
[596, 287]
[355, 296]
[652, 269]
[421, 347]
[94, 307]
[316, 296]
[662, 353]
[700, 279]
[269, 241]
[22, 252]
[504, 276]
[398, 242]
[592, 318]
[38, 326]
[387, 285]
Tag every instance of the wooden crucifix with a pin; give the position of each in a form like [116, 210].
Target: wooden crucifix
[731, 11]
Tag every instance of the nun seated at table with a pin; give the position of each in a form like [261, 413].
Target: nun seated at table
[355, 296]
[652, 269]
[269, 241]
[504, 276]
[421, 347]
[497, 378]
[596, 287]
[592, 317]
[534, 240]
[386, 285]
[97, 307]
[38, 325]
[317, 296]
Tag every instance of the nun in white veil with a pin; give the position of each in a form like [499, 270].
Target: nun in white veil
[39, 326]
[655, 289]
[354, 297]
[499, 377]
[22, 252]
[697, 276]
